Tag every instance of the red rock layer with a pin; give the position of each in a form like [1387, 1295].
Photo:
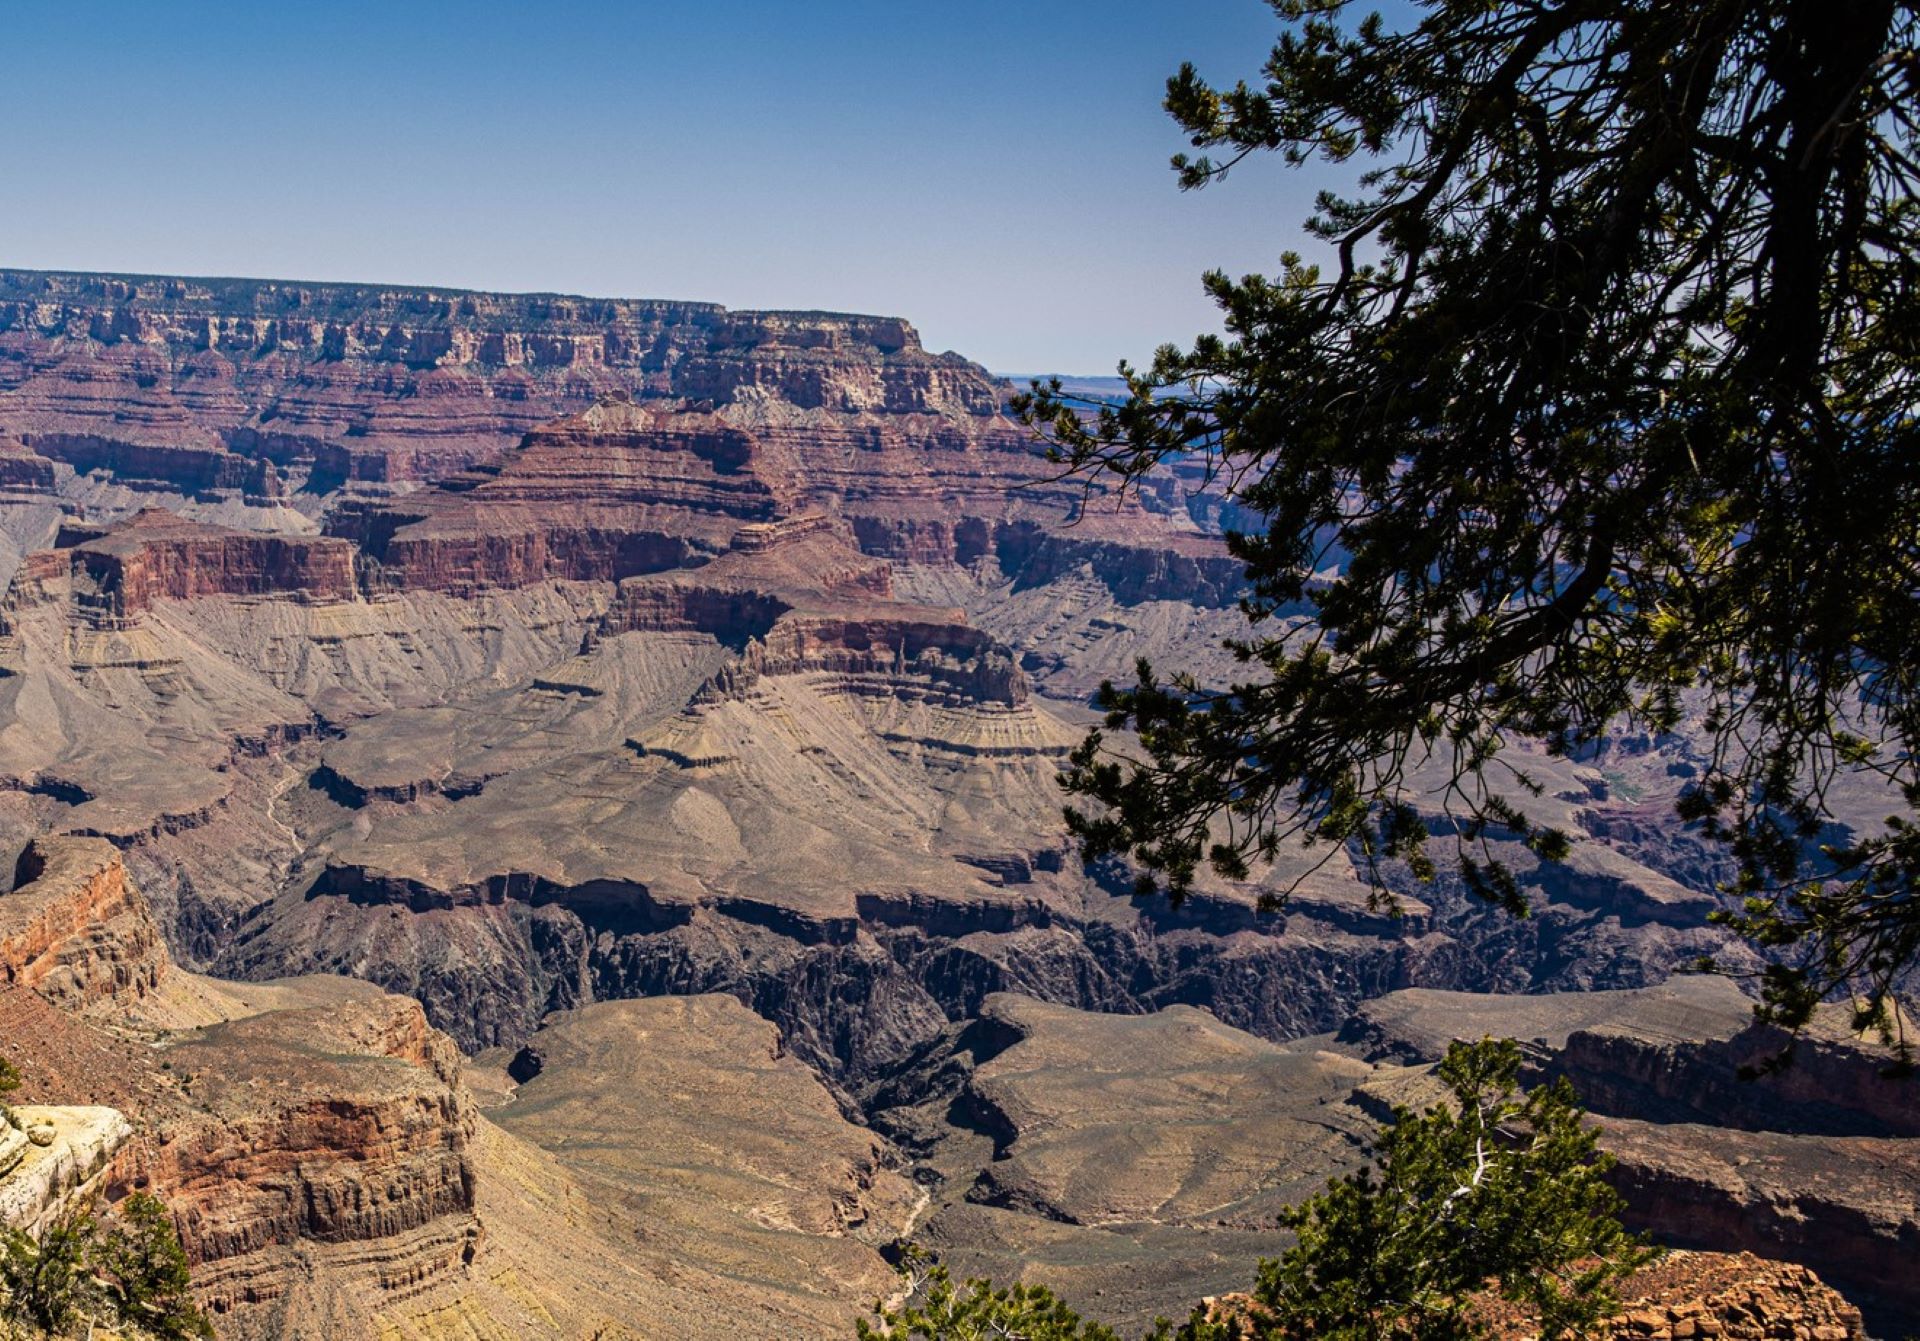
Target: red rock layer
[626, 489]
[381, 384]
[1729, 1296]
[898, 644]
[23, 471]
[796, 598]
[110, 576]
[341, 1121]
[619, 490]
[75, 930]
[327, 1125]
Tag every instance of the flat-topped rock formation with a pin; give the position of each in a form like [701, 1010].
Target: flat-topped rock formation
[689, 1107]
[628, 487]
[1416, 1026]
[617, 491]
[208, 385]
[108, 575]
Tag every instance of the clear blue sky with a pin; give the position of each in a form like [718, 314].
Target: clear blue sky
[994, 171]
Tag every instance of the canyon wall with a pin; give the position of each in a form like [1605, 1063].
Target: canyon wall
[210, 385]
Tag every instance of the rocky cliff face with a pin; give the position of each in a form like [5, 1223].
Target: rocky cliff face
[325, 1114]
[315, 1126]
[1822, 1083]
[211, 385]
[23, 473]
[620, 490]
[1817, 1161]
[108, 576]
[75, 930]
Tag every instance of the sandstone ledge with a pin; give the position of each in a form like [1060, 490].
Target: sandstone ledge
[50, 1178]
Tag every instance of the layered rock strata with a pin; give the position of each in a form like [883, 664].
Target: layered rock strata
[652, 649]
[315, 1126]
[109, 576]
[24, 474]
[627, 488]
[75, 930]
[205, 385]
[323, 1113]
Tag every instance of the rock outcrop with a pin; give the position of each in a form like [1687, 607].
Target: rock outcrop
[314, 1114]
[1682, 1297]
[75, 930]
[342, 1124]
[331, 1176]
[1734, 1297]
[53, 1159]
[24, 474]
[108, 577]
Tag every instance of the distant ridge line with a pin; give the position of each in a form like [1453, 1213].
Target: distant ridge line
[21, 284]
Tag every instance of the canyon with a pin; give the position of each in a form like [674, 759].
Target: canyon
[454, 732]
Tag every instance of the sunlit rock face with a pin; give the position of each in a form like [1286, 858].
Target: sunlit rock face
[239, 385]
[75, 930]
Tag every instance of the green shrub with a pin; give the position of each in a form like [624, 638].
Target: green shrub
[138, 1257]
[9, 1082]
[45, 1285]
[936, 1309]
[128, 1266]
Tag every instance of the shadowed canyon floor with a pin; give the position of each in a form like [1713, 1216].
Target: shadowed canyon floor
[670, 701]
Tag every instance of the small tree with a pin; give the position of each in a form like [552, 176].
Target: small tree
[132, 1267]
[1500, 1191]
[144, 1269]
[936, 1309]
[45, 1285]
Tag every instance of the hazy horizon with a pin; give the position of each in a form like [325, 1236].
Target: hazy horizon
[1000, 183]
